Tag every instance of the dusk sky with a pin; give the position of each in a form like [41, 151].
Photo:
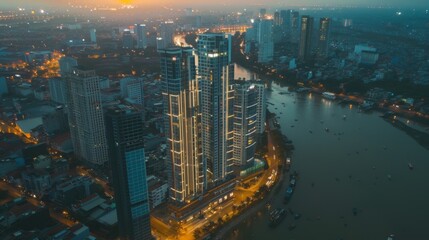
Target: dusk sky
[410, 3]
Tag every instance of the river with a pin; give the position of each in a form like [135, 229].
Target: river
[360, 163]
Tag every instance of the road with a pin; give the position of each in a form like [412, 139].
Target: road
[16, 193]
[273, 165]
[103, 183]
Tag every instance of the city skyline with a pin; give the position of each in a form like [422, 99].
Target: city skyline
[191, 3]
[222, 120]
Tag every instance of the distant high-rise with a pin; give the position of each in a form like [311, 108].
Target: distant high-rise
[323, 44]
[93, 35]
[285, 18]
[262, 12]
[85, 115]
[294, 19]
[216, 74]
[304, 53]
[166, 35]
[277, 19]
[294, 26]
[189, 12]
[182, 124]
[265, 41]
[127, 39]
[141, 36]
[58, 87]
[251, 37]
[127, 159]
[247, 105]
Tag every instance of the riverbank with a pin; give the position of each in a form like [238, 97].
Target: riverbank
[421, 137]
[355, 158]
[276, 143]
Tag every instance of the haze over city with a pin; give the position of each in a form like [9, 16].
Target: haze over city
[214, 120]
[187, 3]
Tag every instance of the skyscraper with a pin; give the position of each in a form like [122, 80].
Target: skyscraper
[251, 37]
[262, 12]
[216, 73]
[324, 28]
[127, 39]
[165, 35]
[141, 36]
[182, 124]
[86, 116]
[93, 35]
[285, 19]
[277, 19]
[127, 159]
[305, 38]
[265, 41]
[294, 25]
[246, 121]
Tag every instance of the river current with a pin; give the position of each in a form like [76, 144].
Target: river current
[354, 183]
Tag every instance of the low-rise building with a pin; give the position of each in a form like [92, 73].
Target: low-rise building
[73, 189]
[158, 191]
[36, 181]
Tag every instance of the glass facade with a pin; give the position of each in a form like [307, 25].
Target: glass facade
[127, 159]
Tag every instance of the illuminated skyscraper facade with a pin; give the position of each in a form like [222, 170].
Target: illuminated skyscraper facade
[216, 74]
[247, 103]
[182, 124]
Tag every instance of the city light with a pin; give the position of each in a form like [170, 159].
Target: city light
[213, 120]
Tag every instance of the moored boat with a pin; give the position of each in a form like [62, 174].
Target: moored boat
[276, 216]
[329, 95]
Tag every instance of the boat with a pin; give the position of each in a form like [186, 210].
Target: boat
[327, 129]
[276, 216]
[391, 237]
[288, 194]
[274, 212]
[344, 117]
[410, 166]
[292, 182]
[366, 106]
[329, 95]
